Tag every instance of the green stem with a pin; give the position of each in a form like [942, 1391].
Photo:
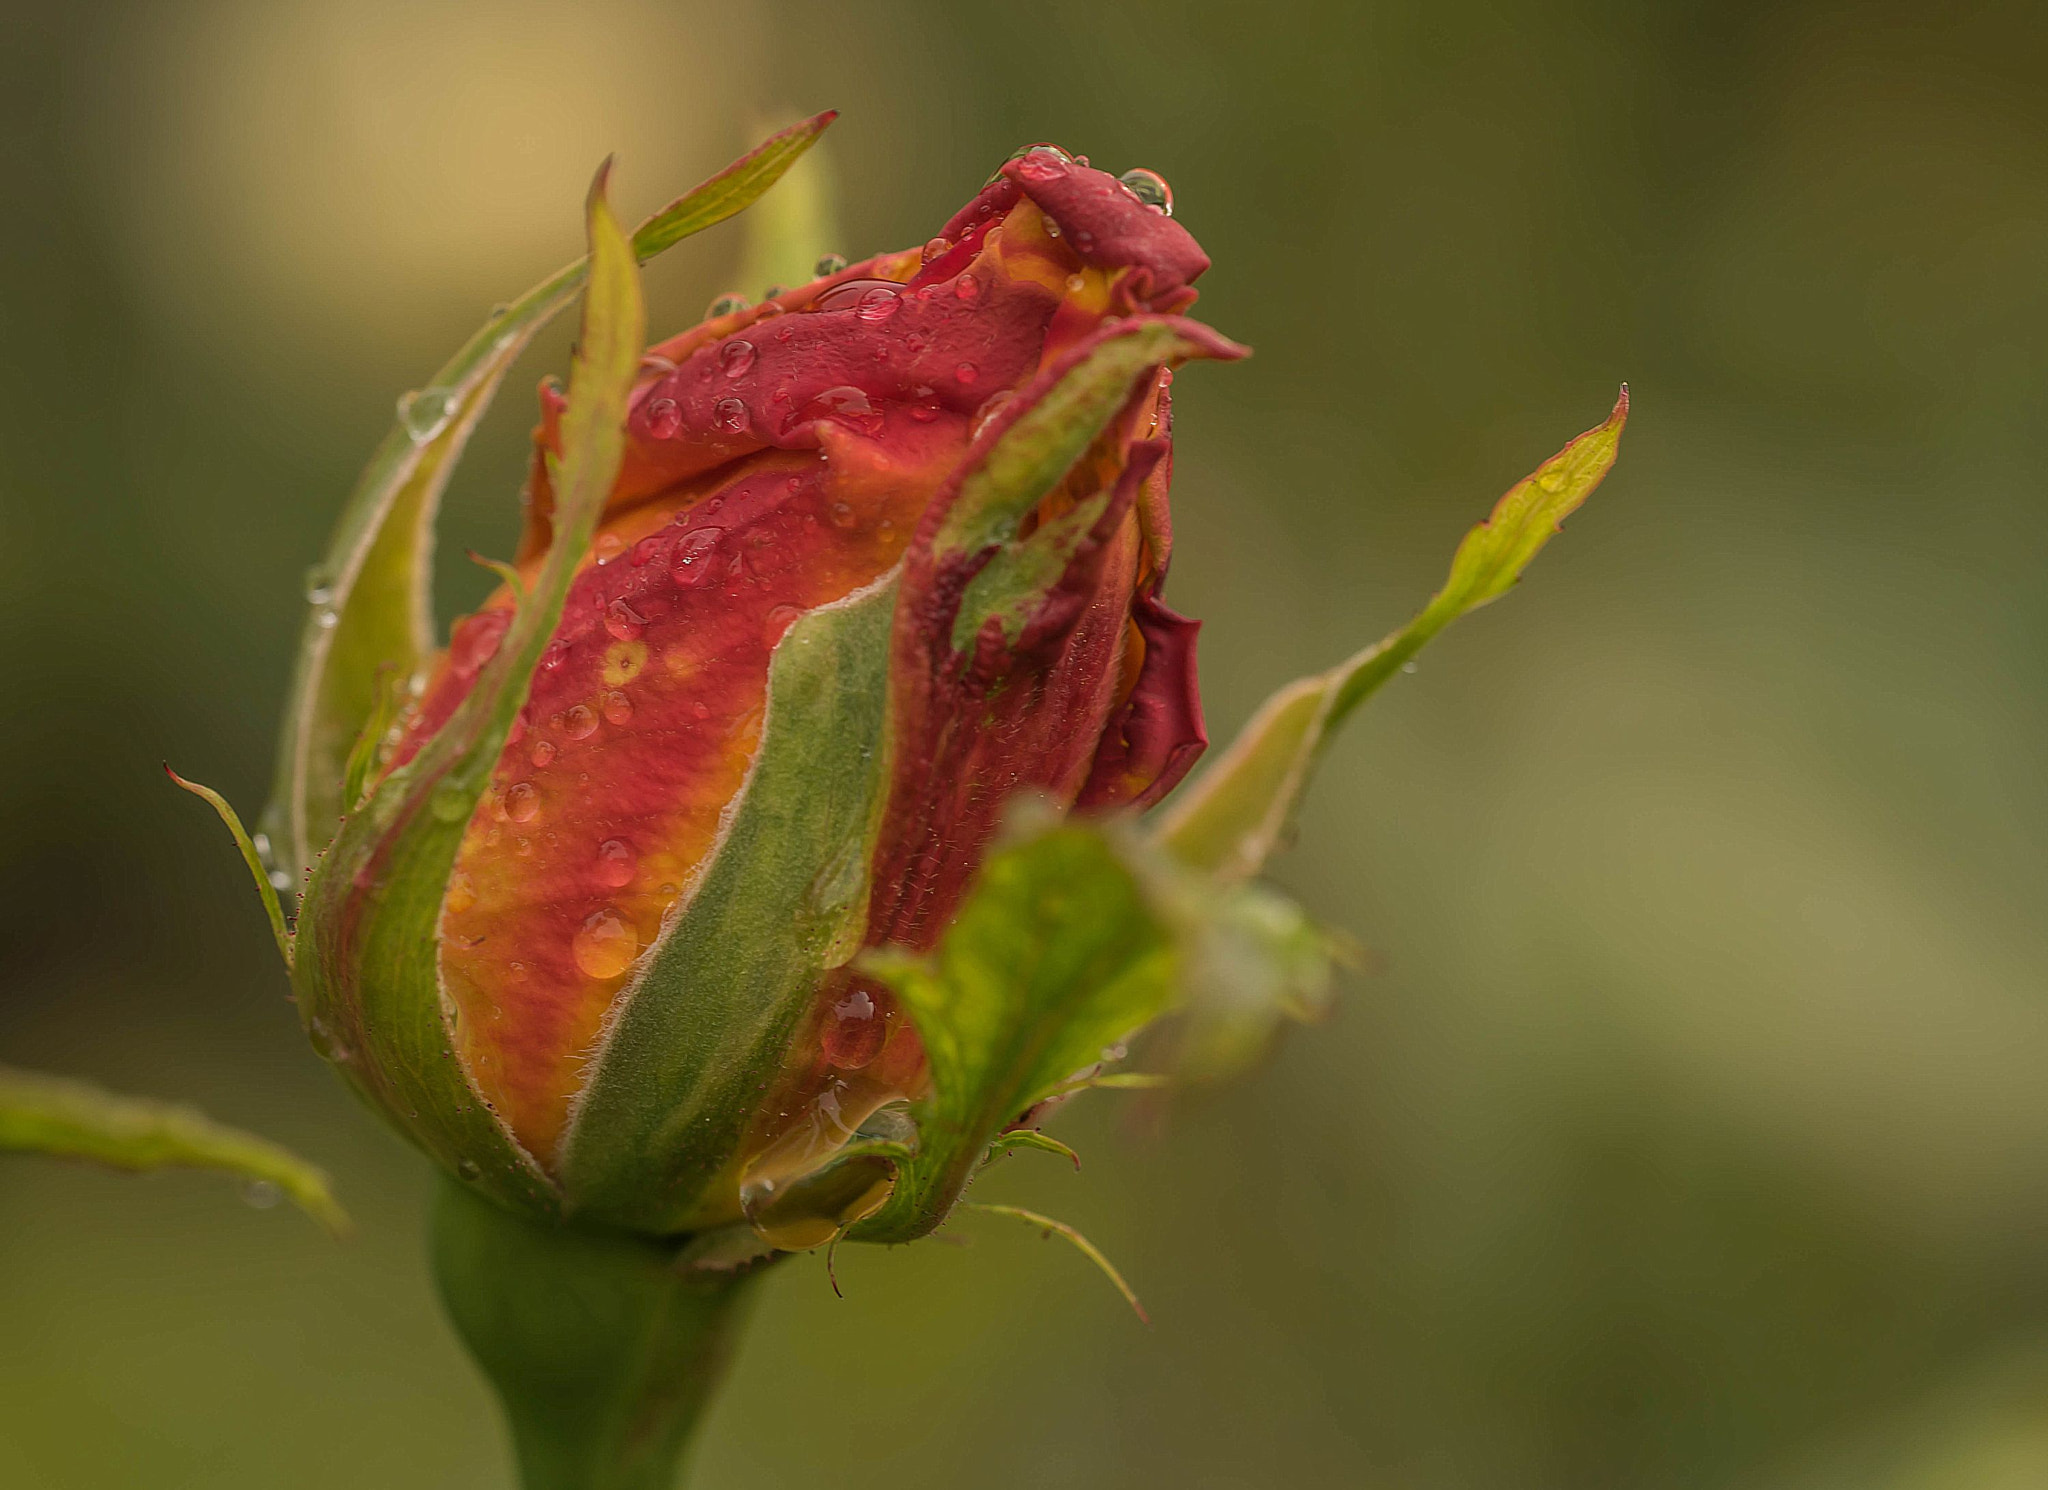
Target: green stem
[604, 1349]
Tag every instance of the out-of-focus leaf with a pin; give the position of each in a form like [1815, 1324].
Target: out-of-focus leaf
[76, 1120]
[371, 991]
[788, 232]
[368, 599]
[1233, 816]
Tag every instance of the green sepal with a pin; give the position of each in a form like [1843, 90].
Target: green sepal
[700, 1037]
[1232, 817]
[604, 1349]
[1014, 584]
[1033, 454]
[369, 602]
[76, 1120]
[368, 979]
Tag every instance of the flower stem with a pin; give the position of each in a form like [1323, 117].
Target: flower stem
[604, 1350]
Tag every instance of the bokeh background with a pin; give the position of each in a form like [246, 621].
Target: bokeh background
[1690, 1128]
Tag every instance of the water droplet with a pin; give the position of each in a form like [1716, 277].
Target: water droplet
[730, 415]
[1553, 480]
[842, 515]
[1150, 188]
[469, 1169]
[644, 550]
[847, 404]
[967, 288]
[319, 585]
[770, 293]
[829, 264]
[605, 945]
[580, 723]
[325, 617]
[692, 564]
[543, 753]
[1052, 229]
[735, 358]
[1042, 164]
[623, 622]
[991, 406]
[664, 418]
[522, 802]
[726, 305]
[617, 707]
[280, 879]
[554, 656]
[700, 710]
[853, 1035]
[877, 304]
[424, 412]
[261, 1195]
[1076, 283]
[616, 863]
[608, 547]
[967, 372]
[935, 249]
[1408, 667]
[779, 620]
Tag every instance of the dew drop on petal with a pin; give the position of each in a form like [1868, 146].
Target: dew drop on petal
[967, 372]
[730, 415]
[935, 249]
[967, 288]
[616, 863]
[726, 305]
[735, 358]
[522, 802]
[779, 620]
[644, 550]
[842, 515]
[556, 654]
[605, 945]
[877, 304]
[618, 709]
[692, 565]
[580, 723]
[664, 418]
[608, 547]
[1150, 188]
[623, 622]
[543, 752]
[829, 264]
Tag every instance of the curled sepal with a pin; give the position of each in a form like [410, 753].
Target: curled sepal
[371, 1000]
[76, 1120]
[1241, 808]
[369, 606]
[1048, 1227]
[265, 890]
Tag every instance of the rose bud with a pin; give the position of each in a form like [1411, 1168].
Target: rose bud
[865, 561]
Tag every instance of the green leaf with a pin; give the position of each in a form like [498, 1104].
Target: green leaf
[708, 1023]
[76, 1120]
[791, 230]
[1055, 956]
[371, 999]
[369, 603]
[1239, 810]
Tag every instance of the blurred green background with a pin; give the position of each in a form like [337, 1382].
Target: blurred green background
[1690, 1129]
